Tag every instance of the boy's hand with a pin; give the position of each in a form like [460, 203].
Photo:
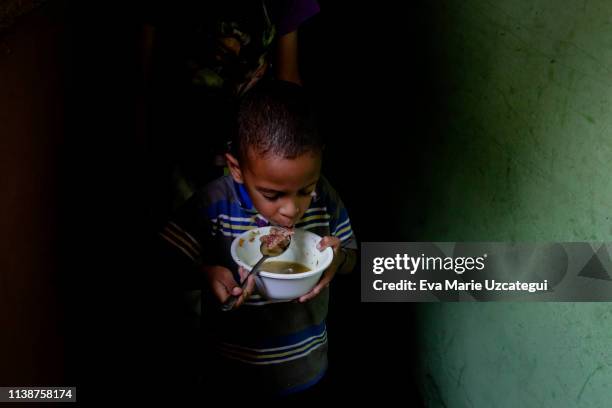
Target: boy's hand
[329, 273]
[223, 284]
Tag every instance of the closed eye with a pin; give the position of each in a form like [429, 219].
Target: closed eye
[308, 193]
[272, 197]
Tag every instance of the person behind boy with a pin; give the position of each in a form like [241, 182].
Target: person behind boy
[275, 179]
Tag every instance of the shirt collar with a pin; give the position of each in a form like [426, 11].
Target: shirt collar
[243, 197]
[247, 204]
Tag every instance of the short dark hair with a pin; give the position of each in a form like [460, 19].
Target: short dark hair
[276, 118]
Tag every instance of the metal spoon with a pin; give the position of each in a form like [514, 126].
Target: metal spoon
[266, 253]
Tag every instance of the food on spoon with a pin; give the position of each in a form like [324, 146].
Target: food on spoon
[277, 240]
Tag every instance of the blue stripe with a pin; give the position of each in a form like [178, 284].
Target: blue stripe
[306, 224]
[294, 338]
[301, 224]
[342, 225]
[233, 231]
[237, 353]
[233, 222]
[345, 234]
[342, 217]
[287, 340]
[318, 212]
[231, 208]
[303, 387]
[312, 215]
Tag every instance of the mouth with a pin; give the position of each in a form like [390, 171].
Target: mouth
[290, 227]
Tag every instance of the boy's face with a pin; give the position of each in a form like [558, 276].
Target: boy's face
[281, 189]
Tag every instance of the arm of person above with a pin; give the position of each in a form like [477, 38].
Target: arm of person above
[286, 67]
[293, 13]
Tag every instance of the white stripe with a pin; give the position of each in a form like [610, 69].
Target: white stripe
[177, 246]
[318, 224]
[261, 217]
[315, 209]
[309, 218]
[281, 360]
[343, 231]
[247, 228]
[230, 225]
[251, 219]
[227, 217]
[227, 234]
[305, 226]
[311, 338]
[237, 226]
[197, 245]
[339, 227]
[348, 234]
[181, 240]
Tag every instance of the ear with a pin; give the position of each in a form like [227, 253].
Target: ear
[234, 168]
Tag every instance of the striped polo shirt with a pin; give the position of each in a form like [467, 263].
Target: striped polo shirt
[284, 344]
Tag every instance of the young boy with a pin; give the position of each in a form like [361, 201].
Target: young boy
[275, 179]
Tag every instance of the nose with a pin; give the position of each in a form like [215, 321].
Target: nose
[290, 210]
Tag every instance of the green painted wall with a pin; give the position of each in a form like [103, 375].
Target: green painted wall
[525, 155]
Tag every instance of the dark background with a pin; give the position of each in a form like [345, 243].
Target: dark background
[107, 322]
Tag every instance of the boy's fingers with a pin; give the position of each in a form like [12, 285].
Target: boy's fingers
[323, 283]
[323, 243]
[306, 297]
[224, 286]
[220, 290]
[250, 286]
[313, 293]
[238, 303]
[329, 241]
[246, 292]
[242, 273]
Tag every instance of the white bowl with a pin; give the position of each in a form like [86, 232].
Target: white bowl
[303, 249]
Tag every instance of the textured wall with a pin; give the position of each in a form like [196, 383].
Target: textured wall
[526, 155]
